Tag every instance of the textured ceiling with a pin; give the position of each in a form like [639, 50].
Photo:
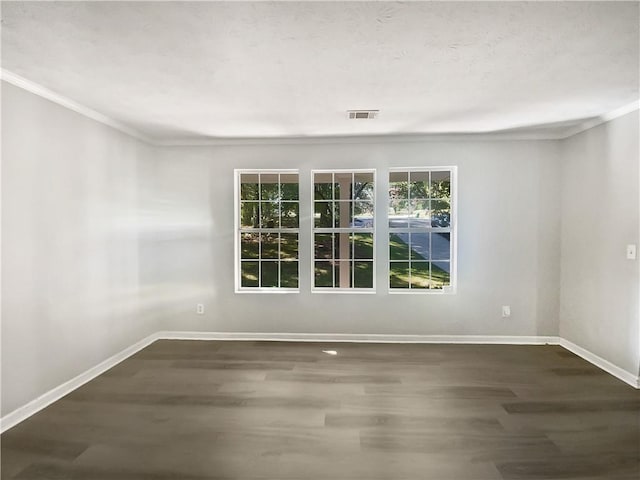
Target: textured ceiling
[269, 69]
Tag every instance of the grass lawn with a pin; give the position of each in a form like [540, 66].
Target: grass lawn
[414, 275]
[280, 252]
[327, 264]
[276, 252]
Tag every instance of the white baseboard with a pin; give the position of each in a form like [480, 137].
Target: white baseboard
[22, 413]
[600, 362]
[360, 338]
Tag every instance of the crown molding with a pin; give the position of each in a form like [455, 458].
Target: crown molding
[54, 97]
[48, 94]
[44, 92]
[359, 139]
[606, 117]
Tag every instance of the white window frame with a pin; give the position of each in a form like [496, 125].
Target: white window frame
[452, 230]
[372, 230]
[238, 232]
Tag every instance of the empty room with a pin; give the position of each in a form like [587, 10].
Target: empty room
[320, 240]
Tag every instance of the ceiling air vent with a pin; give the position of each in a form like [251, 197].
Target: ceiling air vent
[362, 114]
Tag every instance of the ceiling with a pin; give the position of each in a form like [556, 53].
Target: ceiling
[187, 71]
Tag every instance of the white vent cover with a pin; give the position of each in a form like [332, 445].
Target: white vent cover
[362, 114]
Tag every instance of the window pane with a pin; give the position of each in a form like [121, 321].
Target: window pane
[363, 274]
[342, 274]
[288, 245]
[343, 184]
[363, 214]
[249, 215]
[269, 245]
[398, 213]
[440, 204]
[419, 208]
[269, 214]
[336, 191]
[269, 277]
[440, 185]
[441, 246]
[420, 275]
[249, 274]
[399, 246]
[323, 216]
[362, 244]
[323, 186]
[440, 219]
[440, 213]
[250, 245]
[419, 185]
[289, 186]
[269, 186]
[323, 245]
[249, 186]
[343, 213]
[398, 185]
[399, 275]
[440, 274]
[289, 214]
[363, 186]
[323, 274]
[395, 177]
[289, 274]
[419, 215]
[420, 246]
[342, 246]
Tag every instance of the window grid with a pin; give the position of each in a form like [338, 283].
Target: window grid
[441, 224]
[354, 261]
[260, 229]
[357, 227]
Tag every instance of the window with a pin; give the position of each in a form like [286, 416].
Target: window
[422, 230]
[267, 213]
[343, 230]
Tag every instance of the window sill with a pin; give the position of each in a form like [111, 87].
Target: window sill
[398, 291]
[366, 291]
[267, 290]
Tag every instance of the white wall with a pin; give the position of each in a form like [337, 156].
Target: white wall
[69, 245]
[600, 216]
[508, 241]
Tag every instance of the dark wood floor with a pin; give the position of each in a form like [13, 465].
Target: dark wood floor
[264, 410]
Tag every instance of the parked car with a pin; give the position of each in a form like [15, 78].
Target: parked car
[440, 219]
[362, 222]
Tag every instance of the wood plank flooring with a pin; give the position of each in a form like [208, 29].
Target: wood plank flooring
[195, 410]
